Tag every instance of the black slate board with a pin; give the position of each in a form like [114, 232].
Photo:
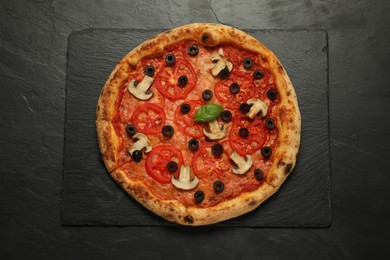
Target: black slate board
[90, 197]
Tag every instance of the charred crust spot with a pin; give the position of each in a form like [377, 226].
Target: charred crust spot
[288, 93]
[205, 36]
[252, 203]
[281, 163]
[117, 74]
[188, 30]
[283, 114]
[264, 59]
[149, 45]
[142, 193]
[288, 168]
[138, 190]
[189, 219]
[171, 209]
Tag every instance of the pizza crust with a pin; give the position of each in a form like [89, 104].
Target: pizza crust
[175, 211]
[286, 153]
[289, 120]
[105, 109]
[108, 144]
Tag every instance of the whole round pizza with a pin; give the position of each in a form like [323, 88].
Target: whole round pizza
[199, 124]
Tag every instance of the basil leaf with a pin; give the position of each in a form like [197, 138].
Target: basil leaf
[208, 112]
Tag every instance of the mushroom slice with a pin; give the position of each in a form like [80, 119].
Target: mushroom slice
[220, 63]
[185, 182]
[220, 52]
[258, 107]
[242, 164]
[216, 58]
[216, 69]
[142, 142]
[140, 90]
[229, 65]
[216, 131]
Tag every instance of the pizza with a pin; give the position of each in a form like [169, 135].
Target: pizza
[199, 124]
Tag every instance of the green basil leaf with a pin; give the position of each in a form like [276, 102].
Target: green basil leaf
[208, 112]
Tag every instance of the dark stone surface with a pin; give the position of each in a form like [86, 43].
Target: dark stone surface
[33, 49]
[90, 197]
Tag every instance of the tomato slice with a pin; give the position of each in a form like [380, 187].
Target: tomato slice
[185, 122]
[148, 118]
[233, 101]
[256, 138]
[205, 163]
[166, 80]
[157, 160]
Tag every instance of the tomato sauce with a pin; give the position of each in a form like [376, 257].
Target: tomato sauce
[169, 94]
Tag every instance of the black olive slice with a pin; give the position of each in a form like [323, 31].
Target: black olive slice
[234, 88]
[185, 108]
[193, 50]
[247, 63]
[170, 59]
[131, 130]
[193, 144]
[226, 115]
[218, 186]
[149, 70]
[207, 94]
[245, 107]
[199, 196]
[137, 155]
[182, 80]
[259, 174]
[243, 132]
[217, 149]
[172, 166]
[167, 131]
[269, 123]
[272, 94]
[266, 151]
[224, 74]
[258, 74]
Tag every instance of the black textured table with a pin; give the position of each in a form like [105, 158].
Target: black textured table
[33, 71]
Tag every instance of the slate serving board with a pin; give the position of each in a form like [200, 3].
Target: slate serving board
[90, 197]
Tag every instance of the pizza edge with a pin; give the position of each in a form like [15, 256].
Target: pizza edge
[289, 125]
[174, 211]
[108, 144]
[284, 156]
